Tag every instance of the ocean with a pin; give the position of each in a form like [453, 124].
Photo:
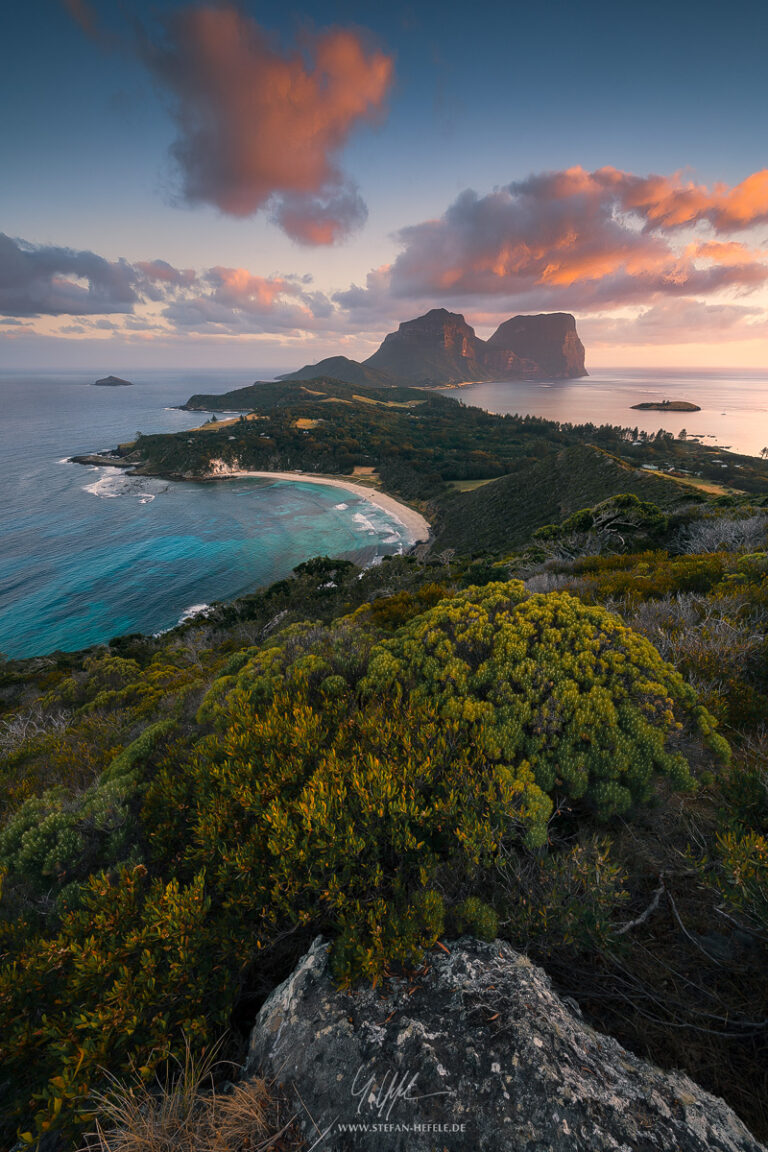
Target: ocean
[734, 405]
[88, 553]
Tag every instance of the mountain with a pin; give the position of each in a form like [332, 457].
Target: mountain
[438, 348]
[341, 368]
[441, 348]
[544, 346]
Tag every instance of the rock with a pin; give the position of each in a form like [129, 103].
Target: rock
[437, 348]
[546, 346]
[441, 348]
[113, 382]
[475, 1051]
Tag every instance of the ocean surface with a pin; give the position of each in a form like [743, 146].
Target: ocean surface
[734, 405]
[89, 553]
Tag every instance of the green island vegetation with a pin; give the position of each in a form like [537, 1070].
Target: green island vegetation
[548, 725]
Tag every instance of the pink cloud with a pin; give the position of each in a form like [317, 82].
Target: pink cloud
[262, 129]
[234, 300]
[580, 240]
[160, 271]
[679, 321]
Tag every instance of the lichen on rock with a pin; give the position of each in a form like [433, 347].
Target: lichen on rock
[474, 1050]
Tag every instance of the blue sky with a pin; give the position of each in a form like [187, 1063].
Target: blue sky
[481, 99]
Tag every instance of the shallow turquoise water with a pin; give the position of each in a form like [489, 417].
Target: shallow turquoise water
[88, 553]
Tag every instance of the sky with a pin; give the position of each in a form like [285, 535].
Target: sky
[259, 185]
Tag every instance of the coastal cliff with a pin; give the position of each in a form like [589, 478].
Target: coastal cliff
[437, 348]
[440, 348]
[546, 346]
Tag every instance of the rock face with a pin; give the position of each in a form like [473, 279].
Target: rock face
[476, 1052]
[549, 343]
[113, 382]
[441, 348]
[438, 348]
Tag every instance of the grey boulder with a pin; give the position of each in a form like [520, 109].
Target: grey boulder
[474, 1052]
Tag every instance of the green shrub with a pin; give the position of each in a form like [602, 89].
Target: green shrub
[474, 918]
[565, 901]
[367, 788]
[558, 691]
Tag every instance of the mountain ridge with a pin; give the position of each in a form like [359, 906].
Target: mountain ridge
[440, 348]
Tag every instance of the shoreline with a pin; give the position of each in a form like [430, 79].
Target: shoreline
[416, 525]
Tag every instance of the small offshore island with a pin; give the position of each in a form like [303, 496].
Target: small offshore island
[112, 382]
[666, 406]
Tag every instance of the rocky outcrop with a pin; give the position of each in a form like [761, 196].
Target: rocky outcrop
[473, 1051]
[545, 346]
[441, 348]
[437, 348]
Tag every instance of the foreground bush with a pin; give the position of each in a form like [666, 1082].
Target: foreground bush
[368, 789]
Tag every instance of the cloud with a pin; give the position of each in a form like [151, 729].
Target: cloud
[234, 300]
[45, 280]
[323, 219]
[162, 272]
[680, 321]
[581, 240]
[262, 129]
[84, 15]
[42, 280]
[668, 202]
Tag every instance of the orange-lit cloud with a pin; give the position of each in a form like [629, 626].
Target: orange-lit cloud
[233, 300]
[262, 129]
[668, 202]
[580, 240]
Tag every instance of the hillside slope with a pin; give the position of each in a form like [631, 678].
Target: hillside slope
[503, 515]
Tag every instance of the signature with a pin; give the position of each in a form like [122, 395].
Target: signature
[381, 1098]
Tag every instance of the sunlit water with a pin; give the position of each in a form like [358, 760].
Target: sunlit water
[734, 405]
[90, 553]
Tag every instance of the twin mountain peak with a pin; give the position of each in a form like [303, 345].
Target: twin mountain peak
[441, 348]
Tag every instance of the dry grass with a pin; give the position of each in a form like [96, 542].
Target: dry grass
[387, 403]
[187, 1113]
[471, 485]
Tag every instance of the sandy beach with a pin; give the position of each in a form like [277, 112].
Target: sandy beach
[414, 523]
